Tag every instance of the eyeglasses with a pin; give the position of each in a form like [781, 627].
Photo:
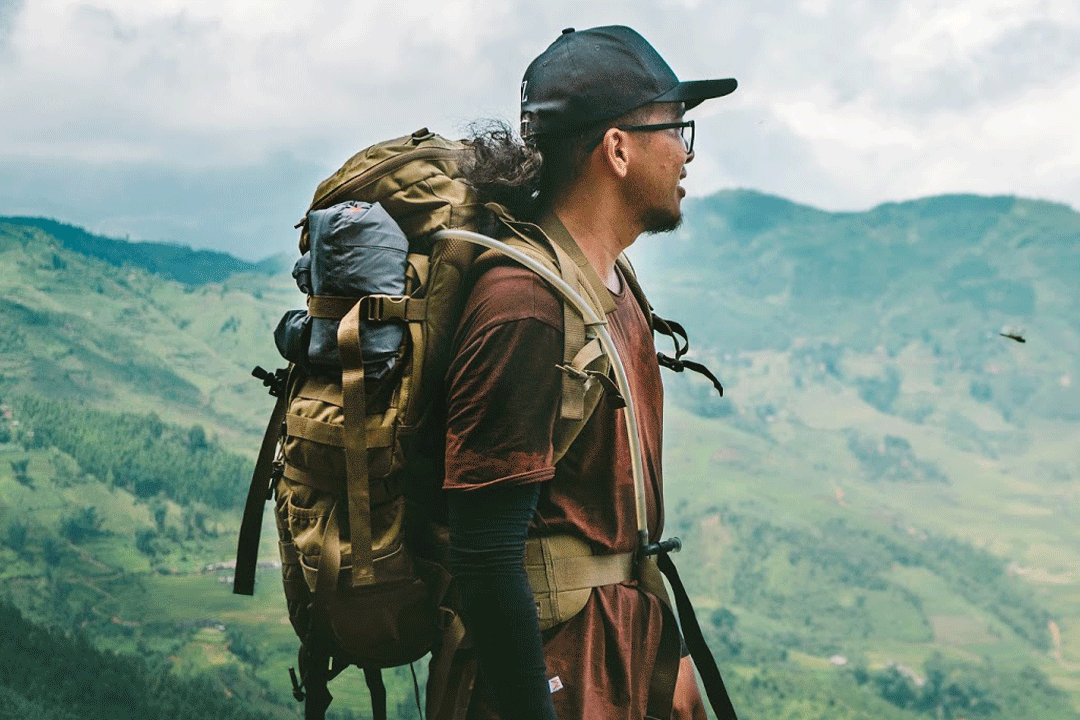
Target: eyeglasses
[681, 126]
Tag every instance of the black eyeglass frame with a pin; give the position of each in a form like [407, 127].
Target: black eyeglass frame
[682, 125]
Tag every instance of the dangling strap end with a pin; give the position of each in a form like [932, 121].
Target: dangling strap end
[297, 687]
[673, 330]
[610, 388]
[678, 365]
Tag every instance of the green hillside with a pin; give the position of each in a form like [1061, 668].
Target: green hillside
[887, 477]
[132, 550]
[51, 676]
[124, 339]
[129, 422]
[175, 262]
[880, 516]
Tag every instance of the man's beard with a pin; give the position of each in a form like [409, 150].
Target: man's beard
[660, 220]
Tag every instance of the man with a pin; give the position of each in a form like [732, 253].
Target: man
[605, 151]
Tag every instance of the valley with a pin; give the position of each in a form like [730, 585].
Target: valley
[881, 517]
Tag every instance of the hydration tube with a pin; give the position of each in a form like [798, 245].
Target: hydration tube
[598, 325]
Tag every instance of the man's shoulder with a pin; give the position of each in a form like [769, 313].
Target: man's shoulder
[505, 291]
[506, 274]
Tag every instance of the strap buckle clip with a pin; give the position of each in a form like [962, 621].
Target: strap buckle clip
[588, 376]
[375, 308]
[670, 545]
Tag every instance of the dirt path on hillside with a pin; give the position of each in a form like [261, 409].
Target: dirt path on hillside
[1055, 636]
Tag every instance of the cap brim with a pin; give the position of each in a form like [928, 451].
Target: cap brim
[694, 92]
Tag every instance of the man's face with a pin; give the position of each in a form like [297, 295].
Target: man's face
[654, 183]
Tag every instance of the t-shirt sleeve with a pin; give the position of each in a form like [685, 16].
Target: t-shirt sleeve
[503, 386]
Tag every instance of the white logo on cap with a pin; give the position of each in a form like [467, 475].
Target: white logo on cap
[524, 94]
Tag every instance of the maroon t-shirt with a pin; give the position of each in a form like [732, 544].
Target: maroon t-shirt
[504, 395]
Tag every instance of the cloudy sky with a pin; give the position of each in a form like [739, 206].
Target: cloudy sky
[208, 122]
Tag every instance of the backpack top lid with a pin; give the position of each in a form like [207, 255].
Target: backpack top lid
[416, 180]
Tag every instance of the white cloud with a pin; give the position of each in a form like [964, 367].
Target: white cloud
[236, 77]
[841, 104]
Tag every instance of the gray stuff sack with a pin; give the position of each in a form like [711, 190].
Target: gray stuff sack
[293, 332]
[356, 249]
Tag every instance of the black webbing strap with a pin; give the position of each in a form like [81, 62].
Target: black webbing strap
[375, 686]
[314, 674]
[665, 673]
[675, 331]
[247, 546]
[695, 641]
[679, 365]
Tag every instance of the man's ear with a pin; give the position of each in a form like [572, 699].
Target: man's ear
[615, 150]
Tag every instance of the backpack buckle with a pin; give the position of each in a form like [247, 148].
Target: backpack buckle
[275, 382]
[375, 308]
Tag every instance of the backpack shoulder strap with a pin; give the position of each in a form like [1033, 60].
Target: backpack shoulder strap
[560, 238]
[262, 479]
[582, 355]
[635, 288]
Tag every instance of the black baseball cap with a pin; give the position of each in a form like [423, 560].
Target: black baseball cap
[597, 74]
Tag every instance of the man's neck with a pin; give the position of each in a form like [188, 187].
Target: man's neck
[599, 233]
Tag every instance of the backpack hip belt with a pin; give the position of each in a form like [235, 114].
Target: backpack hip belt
[562, 572]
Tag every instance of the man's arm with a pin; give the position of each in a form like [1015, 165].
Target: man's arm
[503, 398]
[487, 542]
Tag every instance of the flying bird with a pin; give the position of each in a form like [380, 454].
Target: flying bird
[1011, 336]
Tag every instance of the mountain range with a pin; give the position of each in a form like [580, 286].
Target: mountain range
[880, 515]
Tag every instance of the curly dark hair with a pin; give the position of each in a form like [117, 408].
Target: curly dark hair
[524, 175]
[503, 168]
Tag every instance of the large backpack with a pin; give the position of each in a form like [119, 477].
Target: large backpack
[355, 467]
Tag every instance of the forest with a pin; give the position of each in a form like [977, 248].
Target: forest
[137, 452]
[48, 675]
